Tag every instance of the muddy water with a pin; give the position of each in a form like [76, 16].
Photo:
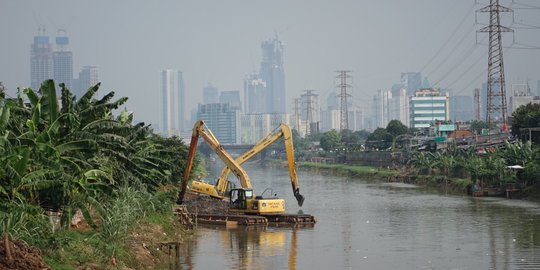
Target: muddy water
[374, 226]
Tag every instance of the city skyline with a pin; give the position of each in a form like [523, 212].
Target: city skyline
[329, 36]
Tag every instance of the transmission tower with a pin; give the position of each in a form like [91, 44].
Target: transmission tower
[308, 98]
[296, 114]
[343, 111]
[477, 104]
[496, 93]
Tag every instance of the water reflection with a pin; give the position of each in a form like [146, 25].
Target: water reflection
[375, 226]
[256, 247]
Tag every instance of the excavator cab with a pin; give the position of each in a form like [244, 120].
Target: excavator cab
[243, 200]
[239, 197]
[210, 189]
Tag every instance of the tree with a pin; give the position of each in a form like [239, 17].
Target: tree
[478, 125]
[300, 144]
[330, 140]
[396, 128]
[348, 137]
[527, 116]
[379, 139]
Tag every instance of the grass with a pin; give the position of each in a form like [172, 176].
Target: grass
[130, 231]
[350, 170]
[372, 173]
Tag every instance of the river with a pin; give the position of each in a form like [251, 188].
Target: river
[362, 225]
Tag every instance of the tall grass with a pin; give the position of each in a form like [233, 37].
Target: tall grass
[349, 170]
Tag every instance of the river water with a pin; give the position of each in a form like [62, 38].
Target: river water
[362, 225]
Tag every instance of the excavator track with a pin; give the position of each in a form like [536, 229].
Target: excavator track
[291, 218]
[245, 220]
[250, 220]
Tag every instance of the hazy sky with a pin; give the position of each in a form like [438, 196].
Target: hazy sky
[219, 42]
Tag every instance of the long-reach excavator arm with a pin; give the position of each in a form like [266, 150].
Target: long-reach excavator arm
[282, 131]
[211, 140]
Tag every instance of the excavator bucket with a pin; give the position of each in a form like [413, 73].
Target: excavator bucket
[299, 197]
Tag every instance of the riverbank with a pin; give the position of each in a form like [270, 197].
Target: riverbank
[133, 230]
[145, 245]
[458, 185]
[440, 182]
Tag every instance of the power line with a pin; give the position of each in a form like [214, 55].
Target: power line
[449, 38]
[467, 70]
[526, 6]
[458, 63]
[451, 52]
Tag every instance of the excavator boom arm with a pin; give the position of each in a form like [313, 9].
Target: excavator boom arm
[282, 131]
[211, 140]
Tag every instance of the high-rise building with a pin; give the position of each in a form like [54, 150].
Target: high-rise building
[411, 81]
[210, 94]
[231, 97]
[63, 61]
[88, 76]
[41, 61]
[257, 125]
[172, 101]
[254, 94]
[538, 88]
[399, 106]
[428, 106]
[273, 74]
[382, 108]
[462, 108]
[222, 120]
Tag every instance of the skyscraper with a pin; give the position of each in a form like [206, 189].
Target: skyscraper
[172, 102]
[382, 107]
[88, 76]
[231, 97]
[273, 75]
[411, 81]
[210, 94]
[462, 108]
[223, 120]
[41, 63]
[63, 61]
[254, 94]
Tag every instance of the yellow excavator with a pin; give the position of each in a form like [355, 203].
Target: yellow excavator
[223, 186]
[242, 199]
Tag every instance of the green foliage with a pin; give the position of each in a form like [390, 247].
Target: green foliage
[300, 144]
[518, 153]
[527, 116]
[24, 222]
[79, 156]
[396, 128]
[478, 125]
[379, 139]
[330, 140]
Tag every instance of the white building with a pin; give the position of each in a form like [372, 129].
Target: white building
[521, 96]
[257, 125]
[428, 106]
[172, 102]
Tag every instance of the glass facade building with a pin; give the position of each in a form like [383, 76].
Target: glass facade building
[223, 120]
[41, 61]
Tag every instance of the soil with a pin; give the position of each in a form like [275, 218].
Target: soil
[24, 256]
[202, 204]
